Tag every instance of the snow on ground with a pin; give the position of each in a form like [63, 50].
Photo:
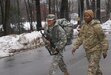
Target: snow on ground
[107, 26]
[15, 43]
[27, 25]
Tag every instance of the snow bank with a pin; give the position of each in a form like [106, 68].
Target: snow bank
[14, 43]
[107, 25]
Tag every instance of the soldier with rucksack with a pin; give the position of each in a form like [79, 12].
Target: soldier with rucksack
[55, 39]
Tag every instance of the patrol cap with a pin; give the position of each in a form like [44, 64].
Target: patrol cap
[51, 17]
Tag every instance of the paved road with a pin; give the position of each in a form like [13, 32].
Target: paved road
[37, 62]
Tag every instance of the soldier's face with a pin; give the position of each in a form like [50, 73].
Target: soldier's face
[50, 22]
[87, 18]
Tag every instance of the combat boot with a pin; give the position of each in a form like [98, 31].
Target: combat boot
[66, 73]
[99, 73]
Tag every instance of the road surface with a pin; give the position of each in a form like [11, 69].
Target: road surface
[37, 62]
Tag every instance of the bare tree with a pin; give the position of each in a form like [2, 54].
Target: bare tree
[2, 10]
[19, 17]
[80, 10]
[52, 6]
[93, 5]
[56, 8]
[108, 8]
[64, 12]
[30, 14]
[98, 9]
[5, 9]
[87, 4]
[49, 6]
[38, 14]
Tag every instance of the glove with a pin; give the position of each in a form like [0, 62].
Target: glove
[104, 55]
[73, 51]
[47, 43]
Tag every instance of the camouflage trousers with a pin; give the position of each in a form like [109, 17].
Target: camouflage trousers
[94, 59]
[57, 61]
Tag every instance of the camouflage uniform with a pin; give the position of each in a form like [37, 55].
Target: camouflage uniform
[59, 39]
[91, 45]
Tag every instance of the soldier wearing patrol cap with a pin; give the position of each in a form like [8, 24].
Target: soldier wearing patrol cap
[58, 36]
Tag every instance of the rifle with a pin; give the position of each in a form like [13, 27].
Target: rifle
[49, 44]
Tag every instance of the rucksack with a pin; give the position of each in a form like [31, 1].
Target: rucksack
[104, 44]
[68, 28]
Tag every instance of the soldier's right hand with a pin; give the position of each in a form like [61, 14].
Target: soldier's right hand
[104, 55]
[73, 51]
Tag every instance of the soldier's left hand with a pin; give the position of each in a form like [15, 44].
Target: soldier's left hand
[48, 43]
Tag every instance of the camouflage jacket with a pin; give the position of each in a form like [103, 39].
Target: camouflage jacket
[88, 37]
[57, 35]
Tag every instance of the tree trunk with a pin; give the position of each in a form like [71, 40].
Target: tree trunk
[108, 8]
[38, 14]
[53, 6]
[87, 4]
[30, 15]
[93, 5]
[49, 6]
[26, 6]
[98, 10]
[64, 12]
[80, 10]
[18, 17]
[2, 11]
[6, 24]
